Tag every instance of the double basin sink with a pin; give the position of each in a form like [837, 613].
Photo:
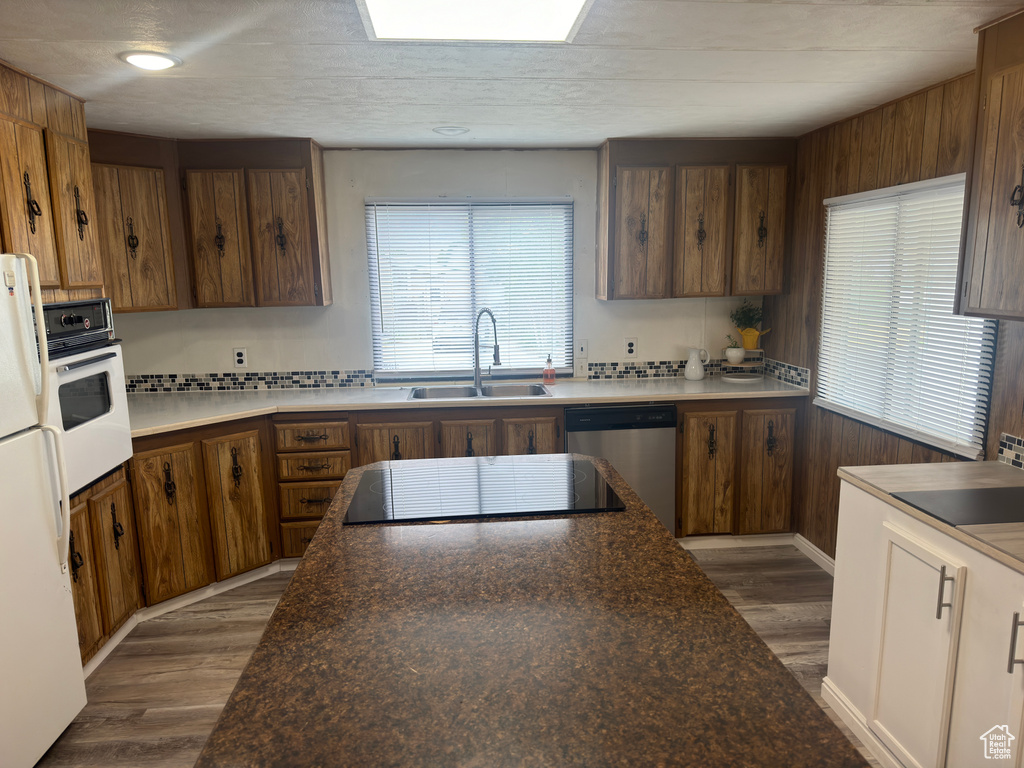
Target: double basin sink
[488, 390]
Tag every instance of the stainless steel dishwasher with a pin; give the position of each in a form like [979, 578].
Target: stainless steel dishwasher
[639, 441]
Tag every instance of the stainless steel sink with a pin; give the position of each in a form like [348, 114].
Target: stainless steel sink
[514, 390]
[441, 393]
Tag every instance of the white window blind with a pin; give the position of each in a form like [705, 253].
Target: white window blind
[434, 265]
[892, 353]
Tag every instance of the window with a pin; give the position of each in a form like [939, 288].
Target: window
[892, 352]
[434, 266]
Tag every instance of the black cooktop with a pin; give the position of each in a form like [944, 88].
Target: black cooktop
[973, 506]
[488, 486]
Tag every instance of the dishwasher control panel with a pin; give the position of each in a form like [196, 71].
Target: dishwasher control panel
[601, 418]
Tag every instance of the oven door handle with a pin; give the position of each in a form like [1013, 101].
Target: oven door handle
[64, 542]
[43, 400]
[83, 363]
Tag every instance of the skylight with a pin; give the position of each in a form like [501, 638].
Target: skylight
[492, 20]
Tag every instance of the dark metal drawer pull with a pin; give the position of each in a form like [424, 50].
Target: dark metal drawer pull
[314, 501]
[236, 470]
[1015, 625]
[701, 234]
[169, 486]
[771, 442]
[218, 239]
[530, 447]
[76, 557]
[133, 240]
[281, 239]
[762, 232]
[117, 528]
[396, 454]
[311, 438]
[34, 210]
[469, 444]
[80, 216]
[712, 442]
[939, 605]
[314, 467]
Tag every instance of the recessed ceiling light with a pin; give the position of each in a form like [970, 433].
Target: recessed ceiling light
[150, 60]
[504, 20]
[451, 130]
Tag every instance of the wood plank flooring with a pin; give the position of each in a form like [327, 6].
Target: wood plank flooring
[787, 599]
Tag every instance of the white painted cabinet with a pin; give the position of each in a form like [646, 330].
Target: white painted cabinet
[920, 690]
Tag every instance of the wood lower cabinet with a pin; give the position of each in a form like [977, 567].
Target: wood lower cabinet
[135, 238]
[219, 231]
[85, 587]
[394, 441]
[528, 435]
[467, 437]
[760, 229]
[116, 549]
[313, 465]
[307, 500]
[707, 492]
[643, 239]
[296, 537]
[766, 471]
[312, 436]
[74, 212]
[234, 485]
[174, 527]
[701, 231]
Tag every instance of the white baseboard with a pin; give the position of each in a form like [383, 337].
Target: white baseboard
[144, 614]
[855, 721]
[730, 542]
[827, 563]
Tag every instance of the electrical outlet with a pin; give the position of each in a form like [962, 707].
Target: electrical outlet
[582, 349]
[241, 357]
[631, 347]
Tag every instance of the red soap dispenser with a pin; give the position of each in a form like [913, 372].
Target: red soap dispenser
[549, 372]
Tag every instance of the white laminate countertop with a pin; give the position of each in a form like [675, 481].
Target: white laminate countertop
[152, 414]
[1004, 541]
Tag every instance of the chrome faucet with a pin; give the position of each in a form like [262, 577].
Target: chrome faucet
[476, 345]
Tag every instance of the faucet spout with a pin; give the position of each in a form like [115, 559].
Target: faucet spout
[476, 345]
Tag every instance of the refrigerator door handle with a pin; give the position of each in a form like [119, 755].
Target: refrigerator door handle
[43, 401]
[63, 543]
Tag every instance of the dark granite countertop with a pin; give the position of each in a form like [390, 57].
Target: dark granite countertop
[584, 640]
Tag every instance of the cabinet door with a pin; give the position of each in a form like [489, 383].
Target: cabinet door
[26, 215]
[304, 500]
[468, 438]
[295, 537]
[311, 436]
[701, 231]
[71, 196]
[282, 255]
[708, 472]
[642, 233]
[134, 235]
[392, 442]
[174, 530]
[760, 229]
[538, 434]
[766, 471]
[234, 487]
[923, 604]
[220, 238]
[113, 533]
[85, 588]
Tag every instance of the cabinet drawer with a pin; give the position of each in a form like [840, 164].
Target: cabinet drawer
[307, 499]
[295, 537]
[312, 436]
[308, 466]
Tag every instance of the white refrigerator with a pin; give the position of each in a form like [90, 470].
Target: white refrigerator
[41, 682]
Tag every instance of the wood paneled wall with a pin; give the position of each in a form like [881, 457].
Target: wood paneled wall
[922, 136]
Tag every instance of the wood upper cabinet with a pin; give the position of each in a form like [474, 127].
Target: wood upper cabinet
[74, 212]
[701, 231]
[534, 434]
[220, 238]
[708, 472]
[238, 517]
[134, 235]
[993, 257]
[115, 547]
[642, 259]
[85, 588]
[279, 220]
[174, 528]
[760, 229]
[766, 471]
[468, 437]
[392, 442]
[26, 216]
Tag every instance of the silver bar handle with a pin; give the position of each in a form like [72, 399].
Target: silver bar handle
[1014, 626]
[83, 363]
[43, 401]
[939, 605]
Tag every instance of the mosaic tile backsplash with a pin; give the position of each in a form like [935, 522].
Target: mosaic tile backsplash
[1011, 450]
[668, 369]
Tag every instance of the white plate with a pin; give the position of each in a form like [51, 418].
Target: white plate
[742, 378]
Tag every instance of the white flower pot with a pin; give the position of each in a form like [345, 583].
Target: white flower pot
[734, 354]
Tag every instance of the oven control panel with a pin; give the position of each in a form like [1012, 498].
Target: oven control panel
[72, 325]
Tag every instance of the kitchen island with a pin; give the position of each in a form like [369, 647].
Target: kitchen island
[584, 639]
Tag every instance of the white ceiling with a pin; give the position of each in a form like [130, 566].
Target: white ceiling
[635, 68]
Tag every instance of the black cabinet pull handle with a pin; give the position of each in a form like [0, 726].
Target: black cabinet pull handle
[81, 218]
[396, 454]
[311, 438]
[762, 232]
[281, 239]
[771, 442]
[314, 467]
[116, 527]
[76, 557]
[169, 487]
[712, 442]
[701, 234]
[314, 501]
[641, 236]
[133, 240]
[30, 202]
[1016, 199]
[530, 447]
[218, 239]
[469, 444]
[306, 539]
[236, 470]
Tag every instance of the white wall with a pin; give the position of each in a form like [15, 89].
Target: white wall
[338, 337]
